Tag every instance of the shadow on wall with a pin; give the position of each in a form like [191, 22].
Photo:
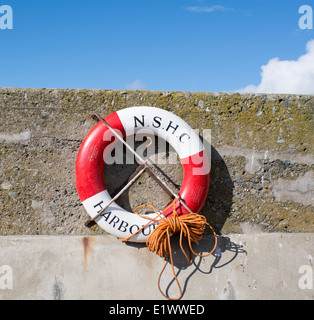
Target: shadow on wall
[225, 252]
[217, 207]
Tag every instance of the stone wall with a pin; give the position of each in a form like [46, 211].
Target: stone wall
[261, 158]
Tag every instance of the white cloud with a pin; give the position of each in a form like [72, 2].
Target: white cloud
[287, 76]
[136, 85]
[208, 9]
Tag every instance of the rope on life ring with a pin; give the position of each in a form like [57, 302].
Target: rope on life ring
[190, 226]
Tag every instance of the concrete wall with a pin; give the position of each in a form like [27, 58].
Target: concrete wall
[261, 158]
[259, 266]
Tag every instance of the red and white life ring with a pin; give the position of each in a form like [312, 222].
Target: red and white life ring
[90, 163]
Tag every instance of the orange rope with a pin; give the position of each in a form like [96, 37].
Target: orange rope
[191, 226]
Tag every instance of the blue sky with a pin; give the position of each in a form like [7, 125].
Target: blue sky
[189, 45]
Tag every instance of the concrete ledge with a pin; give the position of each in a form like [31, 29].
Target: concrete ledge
[246, 266]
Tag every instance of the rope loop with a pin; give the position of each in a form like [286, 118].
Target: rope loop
[190, 226]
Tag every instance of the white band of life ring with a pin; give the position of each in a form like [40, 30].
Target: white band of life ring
[148, 120]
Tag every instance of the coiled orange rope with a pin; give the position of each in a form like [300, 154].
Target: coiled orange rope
[191, 226]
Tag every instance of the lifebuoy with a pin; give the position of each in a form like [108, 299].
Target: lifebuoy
[91, 157]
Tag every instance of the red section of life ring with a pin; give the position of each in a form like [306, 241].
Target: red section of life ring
[90, 161]
[194, 188]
